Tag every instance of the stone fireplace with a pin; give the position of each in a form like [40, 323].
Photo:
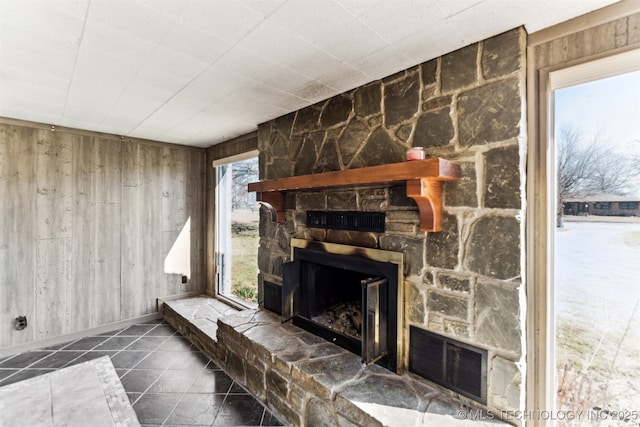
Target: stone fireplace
[465, 282]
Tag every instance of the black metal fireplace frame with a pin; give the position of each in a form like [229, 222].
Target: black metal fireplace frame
[294, 275]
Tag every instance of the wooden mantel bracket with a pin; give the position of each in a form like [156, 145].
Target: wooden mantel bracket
[423, 178]
[274, 202]
[428, 196]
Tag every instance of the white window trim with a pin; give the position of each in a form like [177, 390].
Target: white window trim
[229, 299]
[541, 193]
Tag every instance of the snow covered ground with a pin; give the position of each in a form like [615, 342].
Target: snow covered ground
[597, 273]
[597, 306]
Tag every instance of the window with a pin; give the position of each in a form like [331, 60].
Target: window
[237, 219]
[593, 300]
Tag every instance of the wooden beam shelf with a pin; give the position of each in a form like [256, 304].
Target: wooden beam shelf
[423, 178]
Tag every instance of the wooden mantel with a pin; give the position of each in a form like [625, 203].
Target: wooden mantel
[423, 178]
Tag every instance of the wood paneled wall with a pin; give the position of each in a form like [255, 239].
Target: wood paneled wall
[86, 221]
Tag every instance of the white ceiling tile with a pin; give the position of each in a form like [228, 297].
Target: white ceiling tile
[394, 21]
[42, 18]
[31, 102]
[351, 43]
[311, 20]
[262, 7]
[115, 43]
[359, 7]
[132, 18]
[35, 57]
[266, 41]
[344, 78]
[453, 7]
[167, 7]
[433, 41]
[169, 69]
[215, 83]
[195, 43]
[384, 62]
[229, 21]
[252, 67]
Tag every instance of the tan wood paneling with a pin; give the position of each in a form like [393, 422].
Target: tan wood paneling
[17, 232]
[86, 222]
[59, 301]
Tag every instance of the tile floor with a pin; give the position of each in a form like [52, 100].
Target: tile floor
[167, 379]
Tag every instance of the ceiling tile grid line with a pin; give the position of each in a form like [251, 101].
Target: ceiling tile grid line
[199, 72]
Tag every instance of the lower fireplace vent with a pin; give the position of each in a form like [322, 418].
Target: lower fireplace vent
[450, 363]
[347, 220]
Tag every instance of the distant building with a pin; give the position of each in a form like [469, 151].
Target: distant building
[603, 205]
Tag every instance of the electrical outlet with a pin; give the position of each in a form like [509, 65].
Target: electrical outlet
[21, 322]
[185, 279]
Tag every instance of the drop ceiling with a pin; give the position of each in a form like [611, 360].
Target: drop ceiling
[203, 71]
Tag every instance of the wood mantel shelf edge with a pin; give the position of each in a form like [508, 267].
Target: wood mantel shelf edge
[424, 180]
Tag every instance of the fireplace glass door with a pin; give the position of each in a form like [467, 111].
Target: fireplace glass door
[343, 299]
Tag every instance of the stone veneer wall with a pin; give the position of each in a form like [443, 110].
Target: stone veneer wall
[466, 281]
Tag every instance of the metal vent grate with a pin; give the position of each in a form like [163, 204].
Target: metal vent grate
[347, 220]
[458, 366]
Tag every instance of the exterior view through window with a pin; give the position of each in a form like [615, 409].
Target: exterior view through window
[237, 231]
[596, 273]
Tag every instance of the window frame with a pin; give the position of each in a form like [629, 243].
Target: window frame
[541, 194]
[216, 164]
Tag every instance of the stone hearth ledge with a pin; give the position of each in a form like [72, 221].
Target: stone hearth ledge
[307, 380]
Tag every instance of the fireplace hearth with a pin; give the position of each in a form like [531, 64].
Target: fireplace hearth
[346, 295]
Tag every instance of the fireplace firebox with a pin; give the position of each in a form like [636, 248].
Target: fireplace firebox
[346, 296]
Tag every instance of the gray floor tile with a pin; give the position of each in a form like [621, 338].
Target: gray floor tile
[271, 420]
[128, 359]
[4, 373]
[239, 410]
[176, 343]
[187, 359]
[86, 343]
[175, 381]
[146, 343]
[162, 330]
[138, 381]
[212, 381]
[116, 343]
[155, 408]
[91, 355]
[158, 360]
[136, 330]
[24, 374]
[57, 359]
[23, 360]
[196, 409]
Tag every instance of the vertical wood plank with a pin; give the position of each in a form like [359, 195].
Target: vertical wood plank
[17, 233]
[106, 232]
[84, 206]
[131, 219]
[57, 301]
[195, 199]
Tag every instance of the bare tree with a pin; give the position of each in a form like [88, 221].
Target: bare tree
[587, 167]
[243, 173]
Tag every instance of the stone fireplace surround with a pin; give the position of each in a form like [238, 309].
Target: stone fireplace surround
[307, 380]
[464, 282]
